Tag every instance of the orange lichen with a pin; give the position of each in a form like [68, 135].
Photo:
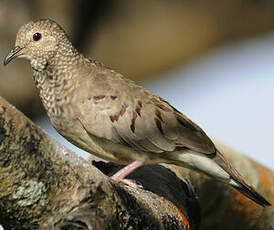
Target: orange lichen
[183, 218]
[181, 170]
[179, 213]
[266, 176]
[246, 207]
[266, 181]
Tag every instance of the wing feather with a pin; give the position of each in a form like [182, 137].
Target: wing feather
[128, 114]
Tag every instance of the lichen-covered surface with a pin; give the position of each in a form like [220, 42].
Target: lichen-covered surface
[31, 177]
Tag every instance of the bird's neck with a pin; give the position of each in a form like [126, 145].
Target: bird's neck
[66, 59]
[61, 66]
[56, 85]
[56, 76]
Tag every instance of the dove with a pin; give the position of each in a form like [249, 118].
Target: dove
[108, 115]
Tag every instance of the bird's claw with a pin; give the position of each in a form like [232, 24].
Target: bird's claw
[129, 182]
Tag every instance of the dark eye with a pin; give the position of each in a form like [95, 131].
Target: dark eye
[36, 37]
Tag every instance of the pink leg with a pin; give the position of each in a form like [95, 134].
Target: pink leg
[122, 173]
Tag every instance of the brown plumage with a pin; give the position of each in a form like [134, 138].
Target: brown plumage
[110, 116]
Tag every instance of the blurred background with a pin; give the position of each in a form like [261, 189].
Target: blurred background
[213, 60]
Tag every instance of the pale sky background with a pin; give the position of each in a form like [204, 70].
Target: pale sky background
[229, 92]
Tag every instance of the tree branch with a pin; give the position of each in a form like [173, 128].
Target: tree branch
[43, 185]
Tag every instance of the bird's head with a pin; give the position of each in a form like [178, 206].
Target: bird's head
[39, 42]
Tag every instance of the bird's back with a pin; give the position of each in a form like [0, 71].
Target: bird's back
[115, 108]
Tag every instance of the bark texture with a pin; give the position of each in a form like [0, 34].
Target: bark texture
[43, 185]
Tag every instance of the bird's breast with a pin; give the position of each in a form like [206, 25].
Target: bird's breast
[57, 97]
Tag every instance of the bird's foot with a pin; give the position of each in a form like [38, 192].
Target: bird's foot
[129, 182]
[122, 173]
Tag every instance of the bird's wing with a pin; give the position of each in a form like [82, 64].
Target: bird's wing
[121, 111]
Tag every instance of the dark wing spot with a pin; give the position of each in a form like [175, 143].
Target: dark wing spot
[159, 115]
[132, 126]
[138, 110]
[99, 97]
[139, 107]
[140, 104]
[120, 114]
[159, 125]
[114, 118]
[113, 97]
[123, 109]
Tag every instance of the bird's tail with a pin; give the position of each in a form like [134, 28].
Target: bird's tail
[237, 182]
[218, 167]
[250, 192]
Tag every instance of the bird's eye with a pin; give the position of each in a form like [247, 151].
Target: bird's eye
[36, 37]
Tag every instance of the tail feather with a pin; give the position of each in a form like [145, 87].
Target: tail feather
[238, 182]
[249, 192]
[218, 167]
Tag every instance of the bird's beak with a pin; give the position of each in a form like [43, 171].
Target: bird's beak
[12, 54]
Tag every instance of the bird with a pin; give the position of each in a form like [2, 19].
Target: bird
[102, 112]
